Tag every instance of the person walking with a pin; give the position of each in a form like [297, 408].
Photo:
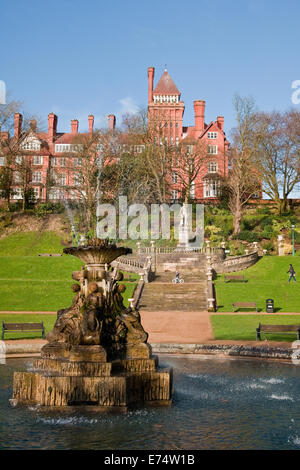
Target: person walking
[292, 273]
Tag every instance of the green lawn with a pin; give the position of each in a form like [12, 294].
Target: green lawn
[243, 327]
[30, 282]
[268, 278]
[30, 243]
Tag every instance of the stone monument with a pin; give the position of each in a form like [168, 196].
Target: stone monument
[184, 231]
[97, 353]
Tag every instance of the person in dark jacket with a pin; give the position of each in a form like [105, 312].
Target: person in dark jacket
[292, 273]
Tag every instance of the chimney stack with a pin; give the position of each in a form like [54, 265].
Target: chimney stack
[150, 83]
[199, 108]
[18, 125]
[220, 122]
[52, 125]
[33, 125]
[91, 123]
[74, 126]
[111, 122]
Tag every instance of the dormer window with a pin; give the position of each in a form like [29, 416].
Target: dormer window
[31, 145]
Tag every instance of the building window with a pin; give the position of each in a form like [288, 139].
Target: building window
[33, 145]
[192, 190]
[19, 159]
[171, 124]
[177, 125]
[212, 135]
[37, 160]
[139, 148]
[62, 180]
[18, 194]
[37, 177]
[190, 149]
[36, 192]
[18, 177]
[77, 161]
[77, 179]
[174, 194]
[212, 167]
[211, 188]
[212, 149]
[54, 194]
[174, 178]
[177, 141]
[62, 161]
[2, 161]
[55, 161]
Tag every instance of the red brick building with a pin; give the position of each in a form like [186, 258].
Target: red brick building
[166, 107]
[50, 153]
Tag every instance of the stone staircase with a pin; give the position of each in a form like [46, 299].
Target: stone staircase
[163, 295]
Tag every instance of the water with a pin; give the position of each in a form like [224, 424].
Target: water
[218, 404]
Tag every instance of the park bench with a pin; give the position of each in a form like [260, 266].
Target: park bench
[50, 254]
[23, 327]
[281, 329]
[232, 277]
[244, 305]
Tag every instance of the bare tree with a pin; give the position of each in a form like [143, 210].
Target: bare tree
[244, 179]
[278, 137]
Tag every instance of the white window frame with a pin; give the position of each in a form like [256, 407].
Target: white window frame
[211, 188]
[37, 177]
[36, 192]
[18, 194]
[212, 167]
[37, 160]
[174, 177]
[212, 135]
[174, 194]
[212, 150]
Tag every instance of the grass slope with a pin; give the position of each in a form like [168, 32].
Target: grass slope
[268, 278]
[33, 283]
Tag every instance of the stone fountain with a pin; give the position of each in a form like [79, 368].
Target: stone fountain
[97, 353]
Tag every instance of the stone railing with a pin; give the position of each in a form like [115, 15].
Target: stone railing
[235, 263]
[211, 291]
[133, 265]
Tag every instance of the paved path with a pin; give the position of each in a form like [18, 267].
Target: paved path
[177, 326]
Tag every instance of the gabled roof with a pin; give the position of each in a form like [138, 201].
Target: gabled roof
[166, 86]
[69, 138]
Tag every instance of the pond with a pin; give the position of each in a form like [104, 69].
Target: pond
[218, 404]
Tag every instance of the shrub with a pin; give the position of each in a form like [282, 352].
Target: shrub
[49, 208]
[248, 236]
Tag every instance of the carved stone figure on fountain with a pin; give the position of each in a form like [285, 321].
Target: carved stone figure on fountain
[97, 353]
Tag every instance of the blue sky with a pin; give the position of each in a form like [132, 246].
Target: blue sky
[80, 57]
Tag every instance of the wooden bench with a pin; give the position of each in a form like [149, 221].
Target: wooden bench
[23, 327]
[232, 277]
[49, 254]
[244, 305]
[281, 329]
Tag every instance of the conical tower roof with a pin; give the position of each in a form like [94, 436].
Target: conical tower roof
[166, 86]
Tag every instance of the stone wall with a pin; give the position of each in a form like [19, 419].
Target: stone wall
[235, 263]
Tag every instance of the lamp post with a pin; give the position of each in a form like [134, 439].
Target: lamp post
[293, 238]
